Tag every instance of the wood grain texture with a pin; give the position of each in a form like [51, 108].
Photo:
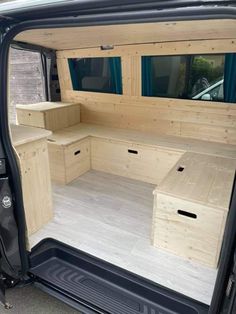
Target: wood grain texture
[173, 47]
[83, 37]
[23, 134]
[49, 115]
[36, 183]
[136, 161]
[202, 188]
[205, 120]
[82, 130]
[110, 217]
[70, 161]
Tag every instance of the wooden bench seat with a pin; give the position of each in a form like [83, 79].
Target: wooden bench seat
[138, 155]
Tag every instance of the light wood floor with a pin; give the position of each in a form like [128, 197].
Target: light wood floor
[110, 217]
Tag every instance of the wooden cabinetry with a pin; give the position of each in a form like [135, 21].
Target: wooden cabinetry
[191, 206]
[68, 162]
[31, 147]
[136, 161]
[49, 115]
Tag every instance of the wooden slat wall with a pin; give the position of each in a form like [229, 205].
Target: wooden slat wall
[187, 118]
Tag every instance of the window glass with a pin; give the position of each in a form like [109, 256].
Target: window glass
[26, 80]
[96, 74]
[189, 76]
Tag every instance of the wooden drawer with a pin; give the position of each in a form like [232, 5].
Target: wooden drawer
[188, 229]
[136, 161]
[69, 162]
[49, 115]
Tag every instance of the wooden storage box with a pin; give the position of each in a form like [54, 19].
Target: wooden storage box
[68, 162]
[49, 115]
[136, 161]
[191, 206]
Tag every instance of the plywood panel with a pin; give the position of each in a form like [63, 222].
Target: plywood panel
[96, 36]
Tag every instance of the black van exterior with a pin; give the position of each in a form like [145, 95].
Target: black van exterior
[130, 294]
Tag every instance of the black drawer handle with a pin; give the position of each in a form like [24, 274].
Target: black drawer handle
[180, 169]
[132, 151]
[187, 214]
[77, 152]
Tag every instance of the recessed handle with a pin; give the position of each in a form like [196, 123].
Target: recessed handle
[132, 151]
[180, 169]
[186, 214]
[77, 152]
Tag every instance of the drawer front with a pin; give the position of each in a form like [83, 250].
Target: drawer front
[132, 160]
[188, 229]
[77, 159]
[31, 118]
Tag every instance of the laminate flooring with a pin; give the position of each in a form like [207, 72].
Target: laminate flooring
[111, 217]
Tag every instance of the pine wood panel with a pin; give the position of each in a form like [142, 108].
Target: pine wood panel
[36, 183]
[95, 36]
[196, 239]
[131, 160]
[203, 120]
[49, 115]
[166, 48]
[70, 161]
[82, 131]
[202, 188]
[185, 118]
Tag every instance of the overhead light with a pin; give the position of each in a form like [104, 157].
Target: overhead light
[107, 47]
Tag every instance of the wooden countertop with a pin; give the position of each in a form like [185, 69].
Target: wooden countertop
[203, 179]
[45, 106]
[72, 134]
[25, 134]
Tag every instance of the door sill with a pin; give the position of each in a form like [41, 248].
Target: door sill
[92, 285]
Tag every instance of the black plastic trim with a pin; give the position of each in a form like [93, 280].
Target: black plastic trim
[84, 7]
[92, 18]
[101, 286]
[227, 257]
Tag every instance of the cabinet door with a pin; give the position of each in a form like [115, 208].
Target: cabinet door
[36, 184]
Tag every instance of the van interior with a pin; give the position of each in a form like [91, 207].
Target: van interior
[132, 157]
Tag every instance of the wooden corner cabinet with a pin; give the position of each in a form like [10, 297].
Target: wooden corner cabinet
[31, 147]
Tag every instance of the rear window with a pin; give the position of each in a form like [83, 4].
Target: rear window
[102, 75]
[184, 76]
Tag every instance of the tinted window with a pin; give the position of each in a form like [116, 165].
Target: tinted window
[96, 74]
[189, 76]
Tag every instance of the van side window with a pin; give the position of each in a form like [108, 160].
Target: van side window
[200, 77]
[26, 79]
[102, 75]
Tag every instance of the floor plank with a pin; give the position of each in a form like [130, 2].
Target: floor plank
[110, 217]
